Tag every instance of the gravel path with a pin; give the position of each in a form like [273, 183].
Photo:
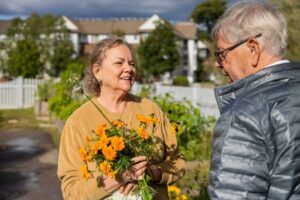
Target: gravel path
[28, 163]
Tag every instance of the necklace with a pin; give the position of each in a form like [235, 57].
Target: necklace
[115, 115]
[111, 115]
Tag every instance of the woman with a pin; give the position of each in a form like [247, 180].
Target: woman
[109, 77]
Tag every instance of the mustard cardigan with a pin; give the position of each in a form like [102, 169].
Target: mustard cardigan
[88, 118]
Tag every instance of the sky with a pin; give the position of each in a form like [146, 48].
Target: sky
[173, 10]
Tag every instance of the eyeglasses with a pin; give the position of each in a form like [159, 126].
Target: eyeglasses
[220, 55]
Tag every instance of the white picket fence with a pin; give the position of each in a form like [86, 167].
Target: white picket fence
[21, 93]
[18, 93]
[203, 98]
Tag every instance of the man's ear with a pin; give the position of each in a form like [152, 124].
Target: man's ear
[255, 51]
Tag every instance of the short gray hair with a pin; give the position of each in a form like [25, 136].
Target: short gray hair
[247, 19]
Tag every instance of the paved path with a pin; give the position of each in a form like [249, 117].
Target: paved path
[28, 163]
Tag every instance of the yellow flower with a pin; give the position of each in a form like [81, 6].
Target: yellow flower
[85, 172]
[142, 132]
[101, 130]
[174, 128]
[109, 153]
[117, 143]
[119, 124]
[174, 189]
[84, 155]
[184, 197]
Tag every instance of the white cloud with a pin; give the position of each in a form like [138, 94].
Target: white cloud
[168, 9]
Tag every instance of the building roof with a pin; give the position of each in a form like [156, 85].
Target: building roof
[101, 26]
[4, 24]
[187, 29]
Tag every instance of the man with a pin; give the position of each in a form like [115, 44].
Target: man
[256, 142]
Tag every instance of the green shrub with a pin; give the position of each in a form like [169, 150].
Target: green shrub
[45, 90]
[181, 81]
[195, 182]
[145, 91]
[194, 141]
[194, 131]
[62, 104]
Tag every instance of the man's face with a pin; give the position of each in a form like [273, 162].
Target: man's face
[235, 62]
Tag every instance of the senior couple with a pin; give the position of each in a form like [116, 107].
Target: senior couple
[256, 140]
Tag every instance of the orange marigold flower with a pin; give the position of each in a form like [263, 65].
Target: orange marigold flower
[119, 124]
[84, 155]
[117, 143]
[112, 174]
[155, 121]
[101, 130]
[146, 120]
[94, 148]
[109, 153]
[85, 172]
[103, 142]
[142, 132]
[105, 167]
[141, 118]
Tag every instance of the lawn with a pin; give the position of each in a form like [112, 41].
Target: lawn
[25, 118]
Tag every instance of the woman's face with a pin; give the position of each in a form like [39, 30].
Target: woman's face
[117, 70]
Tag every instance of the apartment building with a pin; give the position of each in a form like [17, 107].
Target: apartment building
[85, 33]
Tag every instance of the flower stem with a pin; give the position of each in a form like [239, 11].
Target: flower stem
[145, 190]
[89, 98]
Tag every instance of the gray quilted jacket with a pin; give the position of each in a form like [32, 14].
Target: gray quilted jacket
[256, 141]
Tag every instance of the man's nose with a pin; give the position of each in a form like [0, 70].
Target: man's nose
[218, 65]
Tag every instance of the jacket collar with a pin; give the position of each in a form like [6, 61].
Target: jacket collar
[225, 95]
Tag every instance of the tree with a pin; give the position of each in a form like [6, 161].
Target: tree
[291, 10]
[24, 59]
[60, 57]
[50, 35]
[118, 33]
[158, 53]
[208, 12]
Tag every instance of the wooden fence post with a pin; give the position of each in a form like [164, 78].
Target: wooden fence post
[19, 92]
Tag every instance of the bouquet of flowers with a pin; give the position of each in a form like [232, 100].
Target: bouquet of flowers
[111, 146]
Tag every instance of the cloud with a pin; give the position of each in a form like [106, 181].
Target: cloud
[167, 9]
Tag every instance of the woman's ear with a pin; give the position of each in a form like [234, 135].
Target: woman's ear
[96, 69]
[255, 51]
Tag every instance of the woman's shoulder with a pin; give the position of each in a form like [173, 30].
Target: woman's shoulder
[141, 100]
[86, 109]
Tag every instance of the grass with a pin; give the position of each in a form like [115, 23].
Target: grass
[25, 118]
[20, 118]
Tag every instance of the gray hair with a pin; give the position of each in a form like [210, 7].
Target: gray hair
[247, 19]
[91, 84]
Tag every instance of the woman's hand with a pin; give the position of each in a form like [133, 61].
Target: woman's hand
[126, 180]
[130, 178]
[126, 188]
[138, 168]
